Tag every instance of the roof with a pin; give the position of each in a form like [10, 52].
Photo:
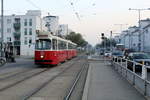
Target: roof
[146, 26]
[52, 16]
[148, 19]
[136, 30]
[47, 35]
[133, 27]
[125, 31]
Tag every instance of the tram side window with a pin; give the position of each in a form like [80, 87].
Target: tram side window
[69, 46]
[64, 45]
[74, 46]
[59, 45]
[54, 44]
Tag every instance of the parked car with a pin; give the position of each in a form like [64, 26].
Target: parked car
[139, 57]
[126, 52]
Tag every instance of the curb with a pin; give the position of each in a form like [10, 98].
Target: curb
[87, 83]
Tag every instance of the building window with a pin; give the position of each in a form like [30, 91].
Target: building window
[8, 30]
[25, 31]
[30, 22]
[8, 21]
[30, 31]
[146, 30]
[25, 41]
[30, 41]
[25, 22]
[8, 39]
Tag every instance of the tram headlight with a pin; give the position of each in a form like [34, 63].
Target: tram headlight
[42, 56]
[55, 54]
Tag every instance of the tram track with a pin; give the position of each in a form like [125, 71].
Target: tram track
[14, 70]
[29, 95]
[9, 75]
[34, 75]
[23, 79]
[76, 90]
[68, 73]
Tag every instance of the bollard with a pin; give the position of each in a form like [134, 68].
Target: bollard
[134, 67]
[126, 67]
[121, 62]
[118, 63]
[126, 63]
[144, 76]
[144, 72]
[134, 73]
[121, 65]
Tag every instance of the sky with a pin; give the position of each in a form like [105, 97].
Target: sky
[94, 16]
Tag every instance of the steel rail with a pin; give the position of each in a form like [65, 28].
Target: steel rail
[15, 74]
[75, 82]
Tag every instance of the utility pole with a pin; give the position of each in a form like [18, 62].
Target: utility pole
[139, 19]
[2, 25]
[111, 41]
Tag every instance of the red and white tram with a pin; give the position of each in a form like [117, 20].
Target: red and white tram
[52, 50]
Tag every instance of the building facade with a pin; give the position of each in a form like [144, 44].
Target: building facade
[52, 24]
[63, 30]
[20, 31]
[137, 38]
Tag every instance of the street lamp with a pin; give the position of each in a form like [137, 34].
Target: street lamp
[139, 12]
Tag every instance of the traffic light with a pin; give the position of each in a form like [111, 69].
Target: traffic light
[102, 34]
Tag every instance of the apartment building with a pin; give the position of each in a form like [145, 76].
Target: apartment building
[20, 31]
[137, 38]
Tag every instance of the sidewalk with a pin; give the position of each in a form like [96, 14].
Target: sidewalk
[104, 83]
[21, 61]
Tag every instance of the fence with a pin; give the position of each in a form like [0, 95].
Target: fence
[128, 69]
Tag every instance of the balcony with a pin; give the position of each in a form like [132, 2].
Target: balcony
[17, 26]
[16, 43]
[17, 34]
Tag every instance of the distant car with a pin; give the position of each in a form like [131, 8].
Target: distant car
[107, 54]
[117, 53]
[102, 52]
[140, 57]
